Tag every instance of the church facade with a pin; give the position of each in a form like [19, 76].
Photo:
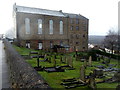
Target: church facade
[42, 29]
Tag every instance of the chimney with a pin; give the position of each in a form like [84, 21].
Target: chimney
[60, 10]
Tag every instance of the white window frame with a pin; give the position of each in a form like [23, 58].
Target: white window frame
[40, 45]
[28, 45]
[50, 26]
[27, 25]
[61, 27]
[39, 26]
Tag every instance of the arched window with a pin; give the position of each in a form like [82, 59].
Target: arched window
[50, 26]
[39, 26]
[61, 27]
[27, 25]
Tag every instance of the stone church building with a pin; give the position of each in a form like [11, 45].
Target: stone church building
[42, 29]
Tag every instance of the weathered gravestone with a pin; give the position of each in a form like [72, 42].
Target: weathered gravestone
[49, 59]
[90, 61]
[82, 73]
[98, 72]
[92, 83]
[64, 59]
[61, 59]
[85, 63]
[54, 62]
[70, 62]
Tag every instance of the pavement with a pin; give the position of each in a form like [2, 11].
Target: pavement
[4, 71]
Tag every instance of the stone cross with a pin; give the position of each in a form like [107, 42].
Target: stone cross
[82, 73]
[90, 61]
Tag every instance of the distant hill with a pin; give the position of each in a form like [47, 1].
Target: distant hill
[94, 39]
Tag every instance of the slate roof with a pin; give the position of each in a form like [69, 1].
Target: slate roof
[38, 11]
[46, 12]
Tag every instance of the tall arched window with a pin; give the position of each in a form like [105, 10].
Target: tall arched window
[39, 26]
[27, 25]
[61, 27]
[50, 26]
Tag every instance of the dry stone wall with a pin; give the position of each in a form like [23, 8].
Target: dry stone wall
[22, 75]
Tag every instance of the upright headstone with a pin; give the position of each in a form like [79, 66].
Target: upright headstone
[70, 61]
[85, 63]
[38, 61]
[54, 62]
[67, 60]
[92, 83]
[45, 55]
[82, 73]
[90, 61]
[61, 59]
[49, 59]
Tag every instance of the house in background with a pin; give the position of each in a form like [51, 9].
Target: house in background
[42, 29]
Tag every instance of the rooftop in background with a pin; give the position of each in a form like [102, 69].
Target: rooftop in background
[46, 12]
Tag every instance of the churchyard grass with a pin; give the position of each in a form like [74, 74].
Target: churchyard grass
[54, 78]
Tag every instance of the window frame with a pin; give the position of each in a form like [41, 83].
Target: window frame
[61, 26]
[50, 26]
[40, 28]
[27, 25]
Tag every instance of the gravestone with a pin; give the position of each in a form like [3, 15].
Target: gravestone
[61, 59]
[38, 62]
[82, 73]
[49, 59]
[90, 61]
[45, 55]
[92, 83]
[85, 63]
[54, 62]
[98, 72]
[65, 59]
[70, 61]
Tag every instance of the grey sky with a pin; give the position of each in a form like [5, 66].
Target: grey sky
[102, 14]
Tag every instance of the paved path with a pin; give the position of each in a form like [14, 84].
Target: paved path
[4, 79]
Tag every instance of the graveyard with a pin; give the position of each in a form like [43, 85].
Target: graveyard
[73, 70]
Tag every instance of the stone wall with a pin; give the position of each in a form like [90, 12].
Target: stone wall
[22, 75]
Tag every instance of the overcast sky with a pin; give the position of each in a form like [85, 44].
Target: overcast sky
[102, 14]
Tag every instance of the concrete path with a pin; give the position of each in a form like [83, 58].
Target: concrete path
[4, 72]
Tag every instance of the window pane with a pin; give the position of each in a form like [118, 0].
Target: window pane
[61, 27]
[71, 27]
[27, 45]
[77, 27]
[27, 25]
[39, 45]
[77, 21]
[39, 26]
[50, 26]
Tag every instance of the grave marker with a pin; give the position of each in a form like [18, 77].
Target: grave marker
[70, 62]
[54, 62]
[61, 59]
[92, 83]
[90, 61]
[85, 63]
[82, 73]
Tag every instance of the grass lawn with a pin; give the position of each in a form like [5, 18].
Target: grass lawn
[54, 78]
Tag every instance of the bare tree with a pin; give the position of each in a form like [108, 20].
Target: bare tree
[111, 40]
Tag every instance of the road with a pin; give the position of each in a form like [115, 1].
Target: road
[4, 72]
